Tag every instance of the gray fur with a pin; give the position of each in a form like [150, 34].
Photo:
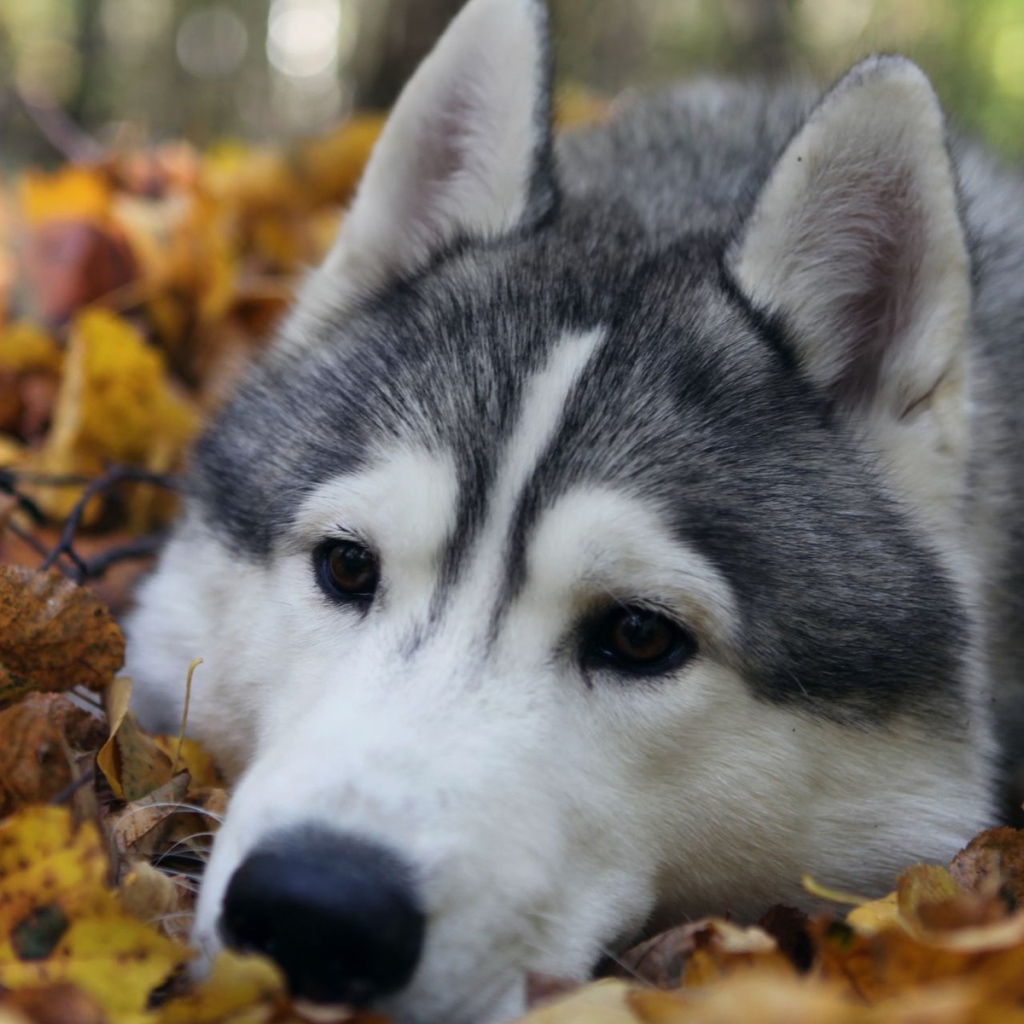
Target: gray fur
[695, 401]
[835, 716]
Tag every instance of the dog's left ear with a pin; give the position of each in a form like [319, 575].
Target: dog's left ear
[856, 245]
[466, 152]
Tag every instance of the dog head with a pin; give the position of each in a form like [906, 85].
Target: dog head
[580, 558]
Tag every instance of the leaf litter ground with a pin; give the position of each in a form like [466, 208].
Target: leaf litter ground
[132, 291]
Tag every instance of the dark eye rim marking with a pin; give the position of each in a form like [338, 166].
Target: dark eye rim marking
[347, 571]
[606, 642]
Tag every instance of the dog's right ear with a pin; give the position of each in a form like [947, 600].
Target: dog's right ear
[466, 152]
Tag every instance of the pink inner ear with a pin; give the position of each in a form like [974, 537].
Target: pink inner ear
[445, 146]
[877, 250]
[857, 256]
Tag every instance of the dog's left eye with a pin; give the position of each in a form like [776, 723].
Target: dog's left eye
[347, 570]
[638, 640]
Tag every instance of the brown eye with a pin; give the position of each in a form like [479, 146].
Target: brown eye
[637, 640]
[347, 570]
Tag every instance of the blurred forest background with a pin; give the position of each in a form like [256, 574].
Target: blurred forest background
[74, 73]
[77, 72]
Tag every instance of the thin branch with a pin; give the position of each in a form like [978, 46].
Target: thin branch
[111, 478]
[142, 547]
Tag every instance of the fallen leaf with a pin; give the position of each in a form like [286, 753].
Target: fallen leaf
[130, 760]
[96, 953]
[722, 948]
[240, 989]
[35, 759]
[755, 997]
[141, 827]
[603, 1002]
[45, 861]
[53, 635]
[115, 405]
[993, 862]
[192, 757]
[62, 1003]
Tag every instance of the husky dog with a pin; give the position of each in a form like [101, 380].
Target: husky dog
[620, 527]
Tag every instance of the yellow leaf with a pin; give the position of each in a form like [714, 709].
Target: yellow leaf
[116, 959]
[238, 990]
[823, 892]
[603, 1002]
[331, 166]
[755, 997]
[130, 761]
[71, 193]
[193, 757]
[114, 405]
[576, 107]
[60, 923]
[46, 861]
[869, 918]
[26, 346]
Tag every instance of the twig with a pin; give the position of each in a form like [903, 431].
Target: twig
[73, 787]
[111, 478]
[9, 485]
[36, 545]
[142, 547]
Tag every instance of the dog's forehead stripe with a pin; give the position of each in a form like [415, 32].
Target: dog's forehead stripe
[538, 418]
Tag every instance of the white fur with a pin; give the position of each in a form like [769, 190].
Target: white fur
[455, 157]
[568, 811]
[548, 812]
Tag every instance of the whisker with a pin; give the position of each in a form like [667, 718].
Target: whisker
[177, 807]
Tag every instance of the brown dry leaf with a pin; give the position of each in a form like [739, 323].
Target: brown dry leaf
[130, 760]
[53, 635]
[147, 893]
[884, 965]
[35, 759]
[993, 862]
[62, 1003]
[83, 730]
[141, 828]
[660, 960]
[73, 252]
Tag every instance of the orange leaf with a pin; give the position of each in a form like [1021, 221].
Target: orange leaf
[53, 635]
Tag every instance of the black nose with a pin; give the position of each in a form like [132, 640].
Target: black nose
[339, 915]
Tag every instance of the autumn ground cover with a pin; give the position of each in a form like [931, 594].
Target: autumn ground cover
[132, 292]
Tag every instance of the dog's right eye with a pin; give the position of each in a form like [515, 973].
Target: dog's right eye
[347, 571]
[637, 641]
